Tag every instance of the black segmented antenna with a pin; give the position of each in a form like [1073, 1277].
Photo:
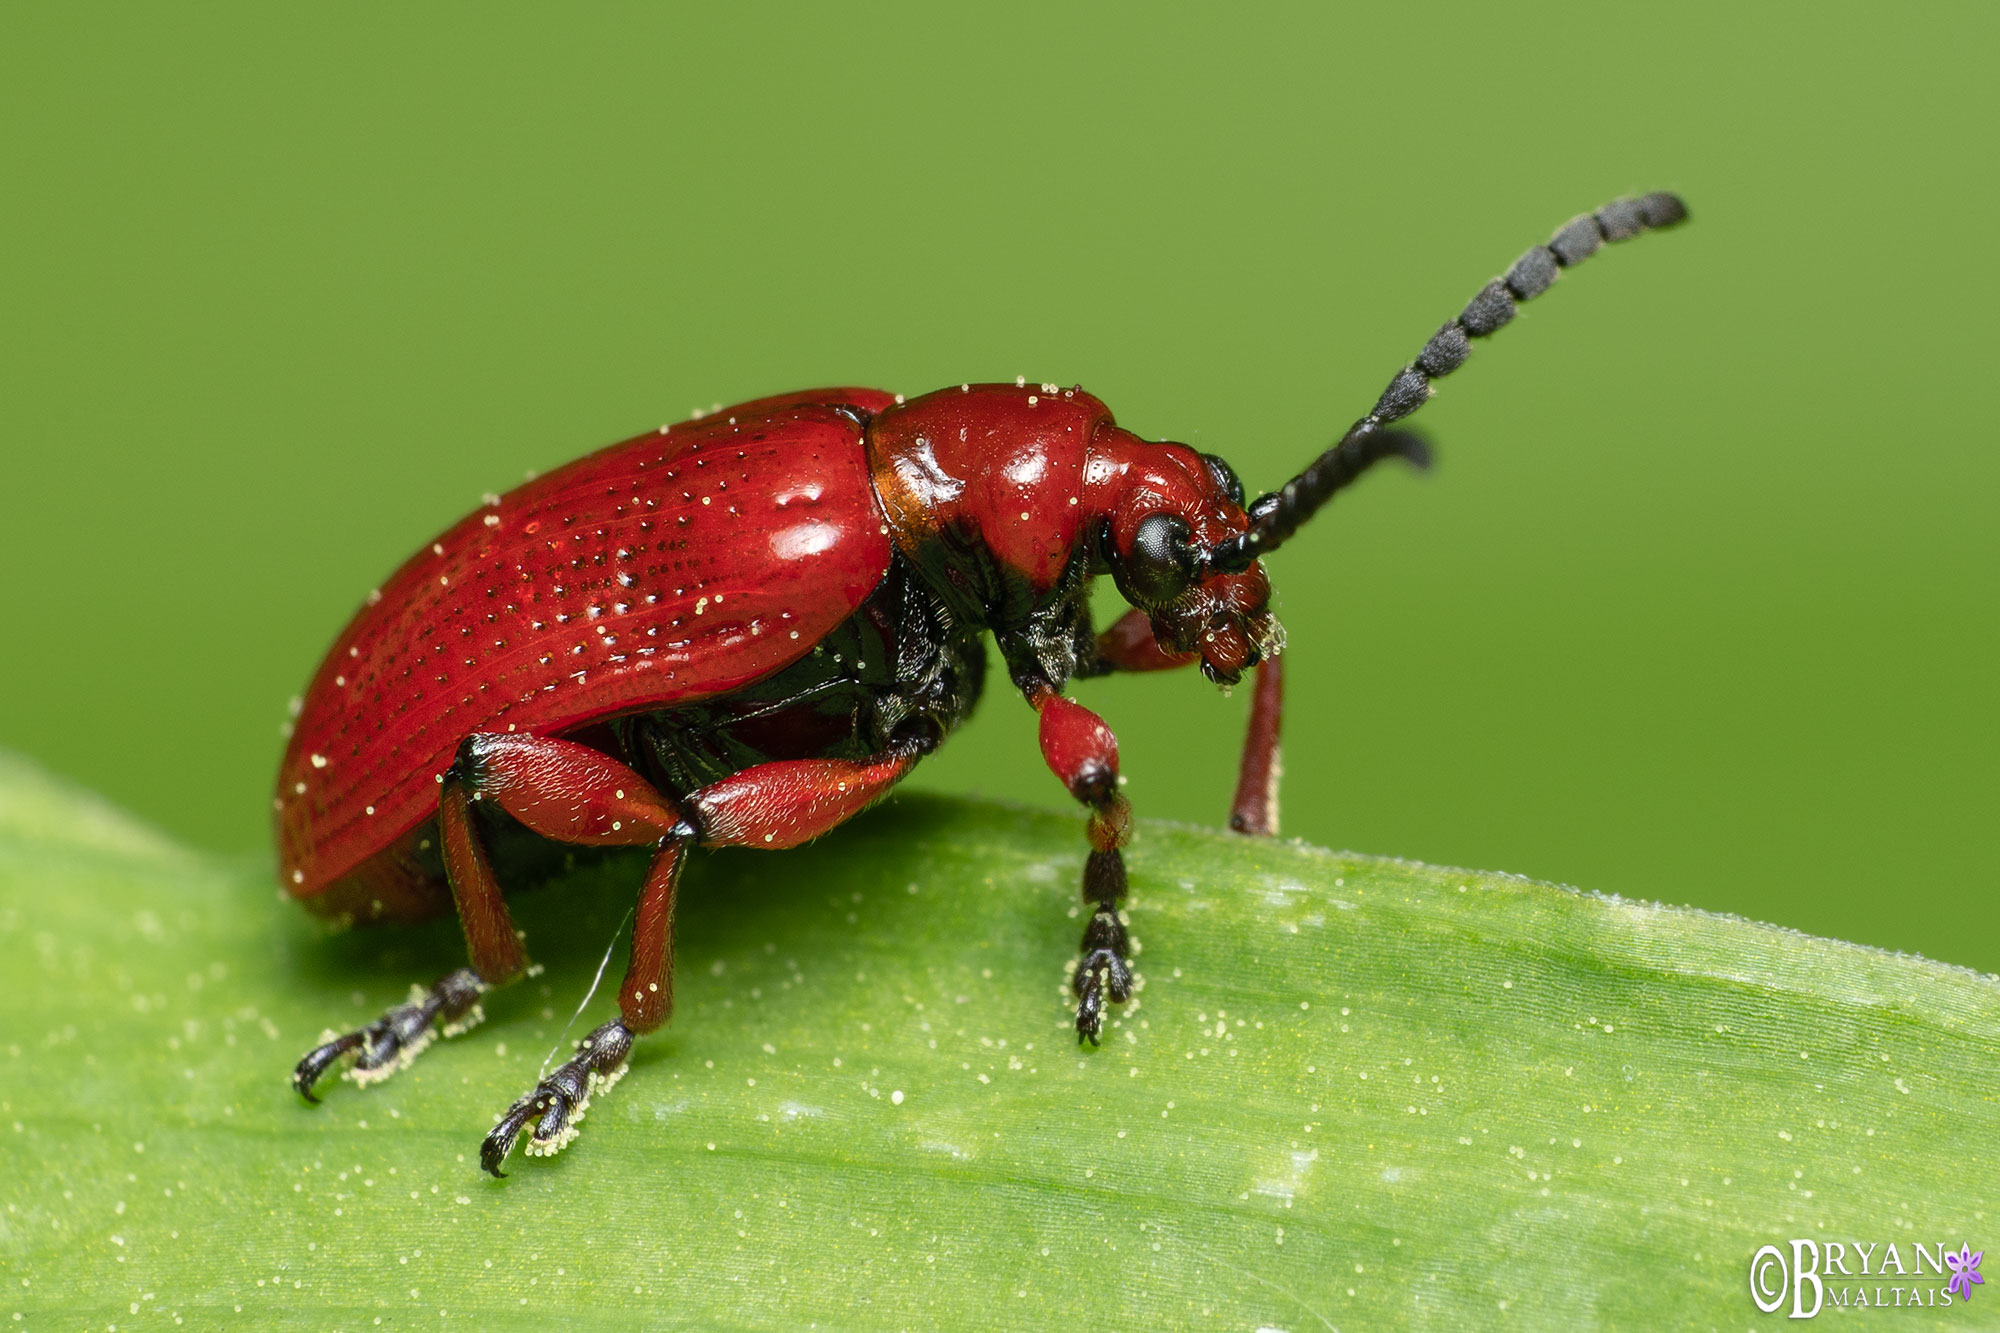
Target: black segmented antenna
[1274, 517]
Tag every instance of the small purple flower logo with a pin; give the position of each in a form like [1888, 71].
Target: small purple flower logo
[1964, 1268]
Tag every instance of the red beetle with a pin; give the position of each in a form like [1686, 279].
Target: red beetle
[741, 630]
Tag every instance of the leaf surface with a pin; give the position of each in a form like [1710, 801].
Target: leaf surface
[1352, 1092]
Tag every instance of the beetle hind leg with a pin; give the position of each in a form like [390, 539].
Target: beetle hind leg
[770, 806]
[557, 1103]
[557, 788]
[391, 1042]
[399, 1036]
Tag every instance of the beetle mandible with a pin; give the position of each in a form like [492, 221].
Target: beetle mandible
[741, 630]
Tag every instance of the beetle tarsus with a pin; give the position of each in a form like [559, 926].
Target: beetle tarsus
[1103, 976]
[399, 1036]
[558, 1103]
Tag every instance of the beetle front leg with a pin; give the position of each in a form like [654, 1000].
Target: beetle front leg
[1081, 750]
[1129, 645]
[1255, 809]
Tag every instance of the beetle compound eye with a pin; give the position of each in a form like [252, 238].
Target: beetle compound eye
[1225, 477]
[1163, 561]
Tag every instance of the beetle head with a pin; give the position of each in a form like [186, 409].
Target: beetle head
[1173, 506]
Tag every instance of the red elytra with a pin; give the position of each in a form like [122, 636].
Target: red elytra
[743, 629]
[672, 567]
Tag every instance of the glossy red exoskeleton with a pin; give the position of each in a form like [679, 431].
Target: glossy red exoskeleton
[741, 630]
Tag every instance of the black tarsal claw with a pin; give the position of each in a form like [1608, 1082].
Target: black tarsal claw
[1102, 976]
[494, 1148]
[1089, 1016]
[557, 1104]
[320, 1059]
[398, 1036]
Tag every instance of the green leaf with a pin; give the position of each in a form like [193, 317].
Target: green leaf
[1352, 1092]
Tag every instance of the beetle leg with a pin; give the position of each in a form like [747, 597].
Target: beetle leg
[558, 1102]
[789, 801]
[1255, 809]
[399, 1036]
[1081, 750]
[1129, 646]
[774, 805]
[570, 793]
[560, 789]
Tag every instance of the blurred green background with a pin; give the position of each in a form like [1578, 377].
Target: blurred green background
[1699, 604]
